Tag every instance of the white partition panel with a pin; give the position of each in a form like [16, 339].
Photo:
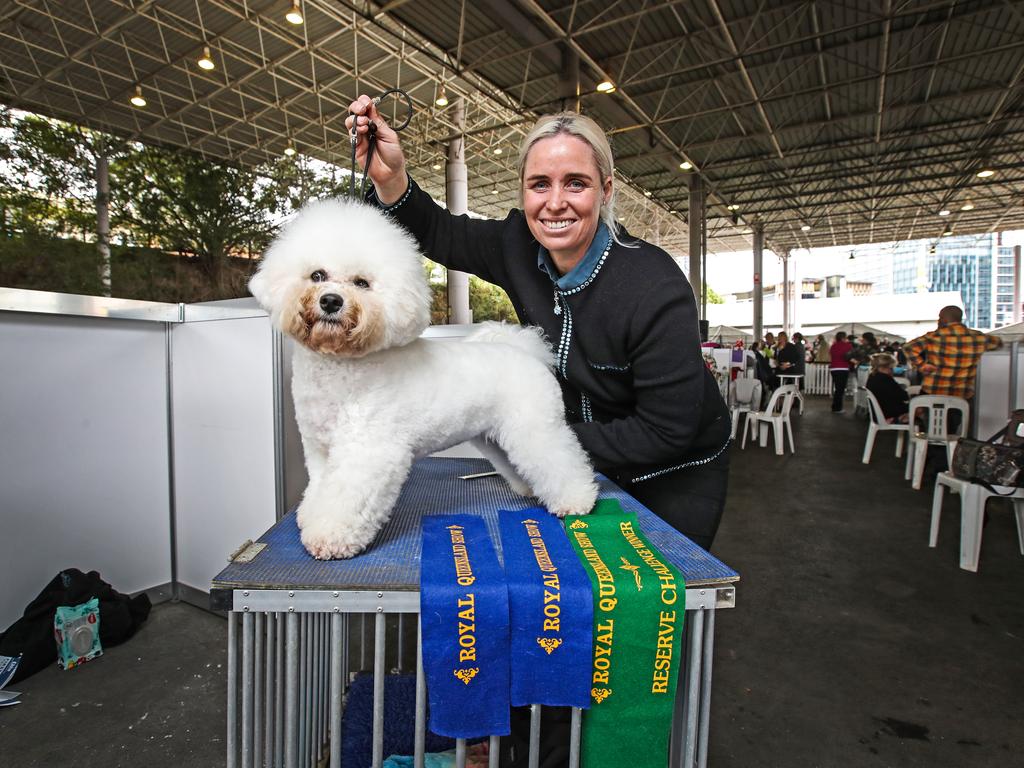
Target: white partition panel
[992, 404]
[223, 441]
[83, 453]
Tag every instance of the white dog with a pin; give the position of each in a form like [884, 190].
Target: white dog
[371, 396]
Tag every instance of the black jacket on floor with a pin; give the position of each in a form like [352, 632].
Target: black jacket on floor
[32, 634]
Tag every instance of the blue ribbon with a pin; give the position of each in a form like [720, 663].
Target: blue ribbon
[464, 620]
[551, 611]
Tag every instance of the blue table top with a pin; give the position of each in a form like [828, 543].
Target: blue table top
[392, 563]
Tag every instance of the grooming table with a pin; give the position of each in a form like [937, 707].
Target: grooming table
[290, 616]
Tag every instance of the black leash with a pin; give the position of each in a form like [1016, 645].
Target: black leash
[358, 193]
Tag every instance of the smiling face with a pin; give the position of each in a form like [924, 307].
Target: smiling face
[562, 196]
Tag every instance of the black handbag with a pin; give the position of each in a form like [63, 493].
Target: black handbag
[996, 461]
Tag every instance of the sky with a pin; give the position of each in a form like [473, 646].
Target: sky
[733, 272]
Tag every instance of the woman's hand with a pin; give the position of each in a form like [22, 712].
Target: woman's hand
[387, 166]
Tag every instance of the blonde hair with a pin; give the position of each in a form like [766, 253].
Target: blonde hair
[585, 129]
[882, 360]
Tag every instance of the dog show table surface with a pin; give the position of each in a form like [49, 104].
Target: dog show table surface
[392, 562]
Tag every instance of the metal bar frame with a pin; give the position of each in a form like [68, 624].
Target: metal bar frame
[288, 667]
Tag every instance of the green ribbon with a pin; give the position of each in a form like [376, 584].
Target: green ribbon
[639, 608]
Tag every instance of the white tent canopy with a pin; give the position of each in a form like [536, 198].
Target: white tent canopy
[726, 334]
[1013, 332]
[858, 329]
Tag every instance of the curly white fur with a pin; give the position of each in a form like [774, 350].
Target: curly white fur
[371, 396]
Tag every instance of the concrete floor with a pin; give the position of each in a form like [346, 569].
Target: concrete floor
[852, 644]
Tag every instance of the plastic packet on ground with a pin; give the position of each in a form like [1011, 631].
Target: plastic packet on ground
[77, 631]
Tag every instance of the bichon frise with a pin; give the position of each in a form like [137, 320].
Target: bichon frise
[349, 285]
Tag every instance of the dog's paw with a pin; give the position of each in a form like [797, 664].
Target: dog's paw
[579, 503]
[327, 547]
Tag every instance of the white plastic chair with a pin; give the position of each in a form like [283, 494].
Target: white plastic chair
[936, 432]
[860, 400]
[747, 397]
[973, 498]
[775, 414]
[793, 379]
[914, 390]
[878, 424]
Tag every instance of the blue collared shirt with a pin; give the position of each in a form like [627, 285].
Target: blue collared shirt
[578, 274]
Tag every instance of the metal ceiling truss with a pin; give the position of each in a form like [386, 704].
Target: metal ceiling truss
[859, 120]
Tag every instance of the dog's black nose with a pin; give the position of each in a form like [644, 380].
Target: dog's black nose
[331, 303]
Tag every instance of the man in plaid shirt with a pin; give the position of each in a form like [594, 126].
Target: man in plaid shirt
[948, 356]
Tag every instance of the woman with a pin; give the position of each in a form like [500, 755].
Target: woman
[893, 399]
[839, 368]
[618, 310]
[821, 354]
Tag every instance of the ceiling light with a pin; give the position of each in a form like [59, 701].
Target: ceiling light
[206, 61]
[497, 150]
[442, 99]
[290, 149]
[436, 166]
[647, 193]
[686, 165]
[494, 191]
[732, 207]
[968, 206]
[944, 212]
[294, 15]
[606, 86]
[947, 232]
[138, 99]
[805, 227]
[984, 173]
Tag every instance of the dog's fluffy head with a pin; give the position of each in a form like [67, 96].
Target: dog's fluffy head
[343, 279]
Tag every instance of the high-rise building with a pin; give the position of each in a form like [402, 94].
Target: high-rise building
[1002, 293]
[962, 264]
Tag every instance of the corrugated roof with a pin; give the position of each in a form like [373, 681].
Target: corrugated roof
[861, 120]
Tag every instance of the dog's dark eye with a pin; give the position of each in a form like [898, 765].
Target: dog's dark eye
[319, 276]
[360, 283]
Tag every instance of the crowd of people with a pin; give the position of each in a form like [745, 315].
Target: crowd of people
[941, 362]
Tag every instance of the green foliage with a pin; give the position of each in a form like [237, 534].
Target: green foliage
[714, 297]
[188, 204]
[486, 301]
[38, 262]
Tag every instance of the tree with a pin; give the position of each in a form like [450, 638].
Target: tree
[714, 297]
[189, 204]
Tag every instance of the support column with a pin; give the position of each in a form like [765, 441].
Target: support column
[569, 80]
[696, 226]
[785, 291]
[103, 217]
[457, 197]
[758, 322]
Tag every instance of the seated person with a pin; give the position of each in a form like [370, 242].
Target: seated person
[893, 398]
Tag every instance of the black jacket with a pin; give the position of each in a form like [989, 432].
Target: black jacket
[634, 382]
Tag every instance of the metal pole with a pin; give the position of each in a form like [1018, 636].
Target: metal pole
[785, 291]
[378, 691]
[534, 757]
[247, 689]
[758, 324]
[705, 689]
[291, 701]
[419, 737]
[232, 760]
[695, 226]
[457, 195]
[693, 686]
[336, 688]
[258, 698]
[103, 216]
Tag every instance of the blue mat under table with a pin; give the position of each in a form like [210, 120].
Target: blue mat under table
[434, 487]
